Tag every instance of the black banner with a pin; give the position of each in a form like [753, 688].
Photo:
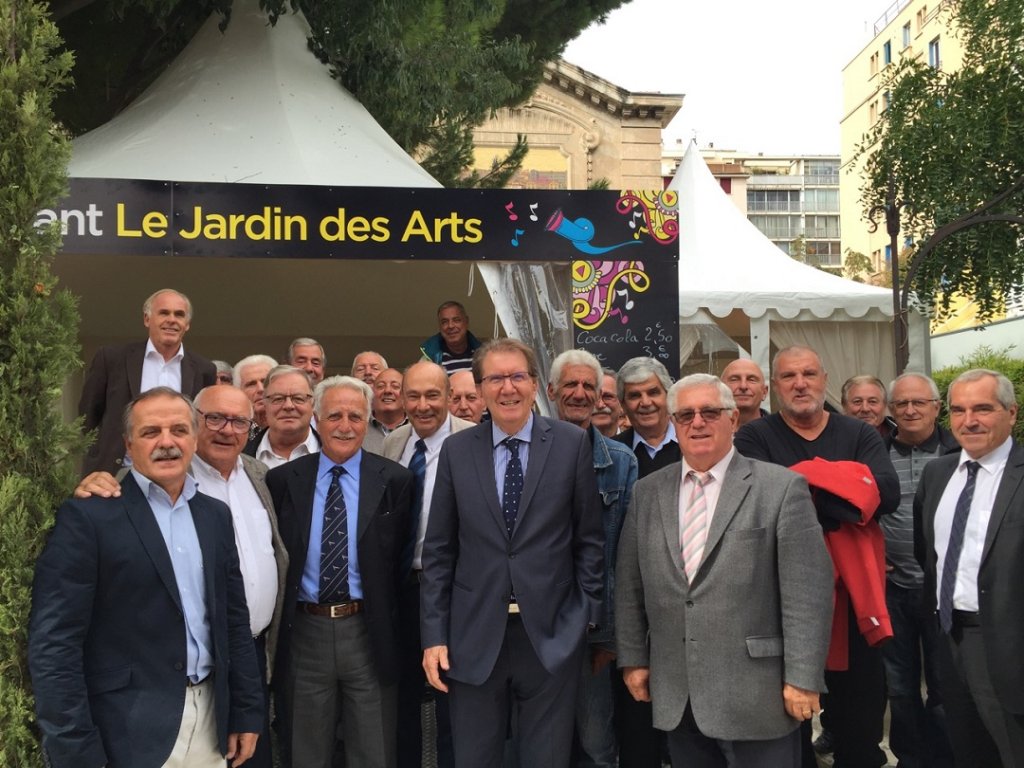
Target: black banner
[622, 245]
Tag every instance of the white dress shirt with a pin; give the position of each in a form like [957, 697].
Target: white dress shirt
[252, 537]
[712, 490]
[156, 372]
[965, 593]
[266, 454]
[433, 444]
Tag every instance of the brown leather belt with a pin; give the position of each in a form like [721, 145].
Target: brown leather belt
[333, 611]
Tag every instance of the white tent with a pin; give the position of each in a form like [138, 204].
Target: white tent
[252, 105]
[729, 271]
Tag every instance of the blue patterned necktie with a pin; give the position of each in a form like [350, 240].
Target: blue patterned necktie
[334, 544]
[418, 467]
[513, 491]
[956, 545]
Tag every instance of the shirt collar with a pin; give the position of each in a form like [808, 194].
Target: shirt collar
[435, 440]
[717, 471]
[929, 445]
[147, 486]
[523, 434]
[670, 437]
[992, 460]
[151, 350]
[351, 464]
[202, 468]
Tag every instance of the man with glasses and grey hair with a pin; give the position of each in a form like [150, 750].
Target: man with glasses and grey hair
[344, 515]
[916, 732]
[723, 594]
[288, 398]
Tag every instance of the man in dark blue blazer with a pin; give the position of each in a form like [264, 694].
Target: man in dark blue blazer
[139, 626]
[512, 570]
[338, 648]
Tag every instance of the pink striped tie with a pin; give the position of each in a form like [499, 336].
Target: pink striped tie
[695, 524]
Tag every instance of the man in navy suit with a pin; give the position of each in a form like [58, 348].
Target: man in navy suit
[120, 372]
[512, 570]
[344, 517]
[139, 643]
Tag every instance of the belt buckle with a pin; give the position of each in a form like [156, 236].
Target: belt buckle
[340, 611]
[513, 608]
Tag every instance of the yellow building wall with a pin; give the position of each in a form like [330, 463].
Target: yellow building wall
[863, 102]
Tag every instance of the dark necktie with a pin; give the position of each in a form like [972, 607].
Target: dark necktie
[334, 544]
[513, 484]
[956, 545]
[418, 467]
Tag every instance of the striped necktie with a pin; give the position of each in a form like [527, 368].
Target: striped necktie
[334, 544]
[695, 524]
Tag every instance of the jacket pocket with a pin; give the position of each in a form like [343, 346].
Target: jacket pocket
[764, 647]
[108, 679]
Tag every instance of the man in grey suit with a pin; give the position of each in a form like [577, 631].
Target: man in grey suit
[512, 570]
[969, 538]
[723, 597]
[416, 445]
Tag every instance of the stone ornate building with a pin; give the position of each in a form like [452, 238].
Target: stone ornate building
[582, 129]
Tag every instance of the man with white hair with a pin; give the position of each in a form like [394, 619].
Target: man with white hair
[344, 516]
[122, 371]
[249, 375]
[724, 594]
[575, 380]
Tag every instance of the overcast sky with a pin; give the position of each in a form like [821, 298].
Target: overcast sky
[757, 76]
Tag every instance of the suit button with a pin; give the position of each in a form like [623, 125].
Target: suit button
[511, 555]
[689, 603]
[179, 666]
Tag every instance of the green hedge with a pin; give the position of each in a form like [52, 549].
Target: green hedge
[986, 357]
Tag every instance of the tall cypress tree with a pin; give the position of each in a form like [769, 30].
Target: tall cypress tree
[38, 344]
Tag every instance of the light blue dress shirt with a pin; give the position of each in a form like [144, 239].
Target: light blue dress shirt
[502, 454]
[309, 586]
[179, 532]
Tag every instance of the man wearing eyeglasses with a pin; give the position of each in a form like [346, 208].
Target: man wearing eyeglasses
[222, 471]
[916, 732]
[723, 594]
[288, 396]
[512, 570]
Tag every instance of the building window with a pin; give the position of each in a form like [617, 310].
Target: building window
[888, 254]
[922, 15]
[887, 53]
[873, 112]
[821, 200]
[773, 200]
[886, 100]
[821, 172]
[822, 226]
[933, 54]
[874, 64]
[876, 258]
[826, 252]
[906, 35]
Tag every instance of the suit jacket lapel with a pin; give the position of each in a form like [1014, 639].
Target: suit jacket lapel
[301, 484]
[371, 491]
[1013, 474]
[206, 532]
[190, 381]
[133, 366]
[668, 506]
[483, 457]
[141, 517]
[540, 447]
[735, 487]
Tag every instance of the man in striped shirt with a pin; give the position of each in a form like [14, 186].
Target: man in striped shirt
[916, 731]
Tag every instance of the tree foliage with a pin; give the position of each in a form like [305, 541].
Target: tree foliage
[429, 71]
[995, 360]
[38, 344]
[953, 144]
